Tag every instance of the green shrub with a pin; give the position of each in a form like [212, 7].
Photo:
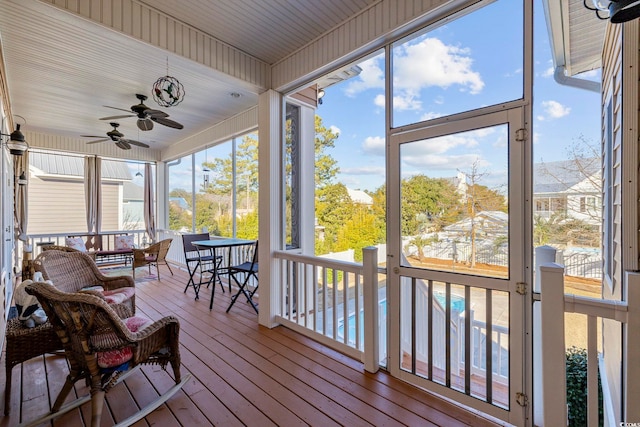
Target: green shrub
[576, 364]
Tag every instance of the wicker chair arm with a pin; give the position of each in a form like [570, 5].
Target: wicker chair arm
[160, 335]
[111, 283]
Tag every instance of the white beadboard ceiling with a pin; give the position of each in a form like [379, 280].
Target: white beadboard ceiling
[62, 69]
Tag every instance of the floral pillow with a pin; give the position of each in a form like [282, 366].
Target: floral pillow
[76, 243]
[123, 242]
[113, 358]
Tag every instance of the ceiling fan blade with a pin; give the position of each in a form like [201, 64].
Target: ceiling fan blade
[167, 122]
[123, 144]
[155, 113]
[117, 117]
[92, 136]
[133, 142]
[116, 108]
[98, 140]
[145, 124]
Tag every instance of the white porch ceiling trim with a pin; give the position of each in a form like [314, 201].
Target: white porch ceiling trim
[75, 145]
[576, 35]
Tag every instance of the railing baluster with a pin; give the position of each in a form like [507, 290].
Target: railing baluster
[430, 330]
[447, 335]
[592, 371]
[489, 345]
[467, 340]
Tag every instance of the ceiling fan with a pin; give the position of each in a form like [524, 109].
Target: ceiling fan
[116, 136]
[146, 116]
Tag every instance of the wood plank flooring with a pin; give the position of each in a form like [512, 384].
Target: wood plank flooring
[242, 374]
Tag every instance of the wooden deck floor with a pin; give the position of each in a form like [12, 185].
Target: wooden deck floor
[242, 374]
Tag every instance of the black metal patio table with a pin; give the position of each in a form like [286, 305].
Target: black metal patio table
[221, 243]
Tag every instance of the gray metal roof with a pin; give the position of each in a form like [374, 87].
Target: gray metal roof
[557, 177]
[66, 165]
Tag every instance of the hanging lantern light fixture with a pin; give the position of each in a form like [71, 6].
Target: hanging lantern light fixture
[168, 91]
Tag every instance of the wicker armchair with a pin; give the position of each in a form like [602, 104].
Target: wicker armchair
[70, 271]
[153, 255]
[89, 329]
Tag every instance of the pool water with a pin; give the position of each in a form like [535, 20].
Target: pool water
[457, 304]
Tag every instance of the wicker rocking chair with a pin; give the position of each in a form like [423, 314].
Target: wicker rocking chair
[70, 271]
[89, 329]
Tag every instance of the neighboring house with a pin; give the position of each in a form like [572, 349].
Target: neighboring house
[360, 197]
[56, 191]
[132, 207]
[570, 187]
[489, 225]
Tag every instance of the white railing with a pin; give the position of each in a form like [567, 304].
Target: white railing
[37, 241]
[323, 299]
[551, 401]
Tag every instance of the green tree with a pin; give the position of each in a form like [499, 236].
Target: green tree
[478, 198]
[178, 218]
[326, 167]
[428, 203]
[333, 209]
[359, 231]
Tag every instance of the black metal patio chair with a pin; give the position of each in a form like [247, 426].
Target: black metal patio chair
[201, 261]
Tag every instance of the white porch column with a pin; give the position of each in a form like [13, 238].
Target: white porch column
[554, 382]
[270, 211]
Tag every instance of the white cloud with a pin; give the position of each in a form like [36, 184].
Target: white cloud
[406, 102]
[403, 102]
[374, 145]
[378, 101]
[444, 162]
[335, 129]
[430, 115]
[555, 110]
[432, 63]
[548, 72]
[371, 77]
[364, 170]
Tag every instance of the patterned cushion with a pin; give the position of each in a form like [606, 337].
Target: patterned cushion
[76, 243]
[113, 358]
[118, 296]
[123, 242]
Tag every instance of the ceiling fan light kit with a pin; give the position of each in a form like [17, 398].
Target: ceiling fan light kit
[116, 136]
[146, 116]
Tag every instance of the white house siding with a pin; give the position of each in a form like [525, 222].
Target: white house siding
[58, 206]
[612, 91]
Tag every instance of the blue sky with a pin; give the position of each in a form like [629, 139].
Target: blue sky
[466, 64]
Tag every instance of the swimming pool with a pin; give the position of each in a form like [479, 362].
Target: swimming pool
[457, 305]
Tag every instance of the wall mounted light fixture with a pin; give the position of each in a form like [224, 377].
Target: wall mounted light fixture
[16, 143]
[618, 11]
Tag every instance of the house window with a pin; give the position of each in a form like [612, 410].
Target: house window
[542, 205]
